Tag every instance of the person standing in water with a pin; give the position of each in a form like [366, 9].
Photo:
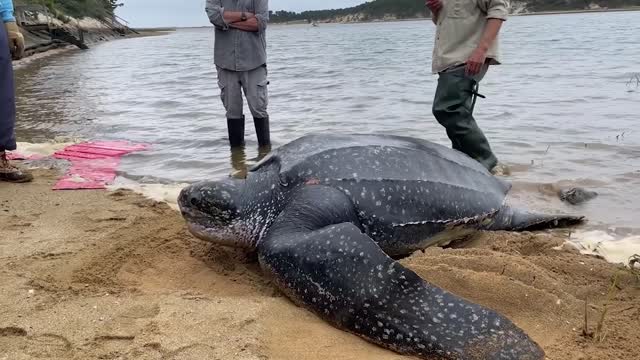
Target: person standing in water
[240, 57]
[11, 47]
[466, 44]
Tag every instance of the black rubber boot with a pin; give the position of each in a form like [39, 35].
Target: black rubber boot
[262, 131]
[236, 132]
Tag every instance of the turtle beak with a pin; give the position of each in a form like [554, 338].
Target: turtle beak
[212, 199]
[210, 213]
[187, 200]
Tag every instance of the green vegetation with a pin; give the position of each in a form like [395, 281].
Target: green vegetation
[89, 8]
[407, 9]
[76, 8]
[401, 9]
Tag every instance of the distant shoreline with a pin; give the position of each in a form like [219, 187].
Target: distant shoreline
[538, 13]
[634, 8]
[305, 22]
[155, 29]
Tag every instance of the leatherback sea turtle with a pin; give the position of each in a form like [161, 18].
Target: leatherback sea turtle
[326, 214]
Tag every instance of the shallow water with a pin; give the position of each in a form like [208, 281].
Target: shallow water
[561, 110]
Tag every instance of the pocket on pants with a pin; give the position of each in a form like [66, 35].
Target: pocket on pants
[223, 93]
[466, 87]
[263, 94]
[453, 93]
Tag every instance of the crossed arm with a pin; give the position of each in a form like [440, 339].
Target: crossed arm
[233, 19]
[255, 22]
[251, 24]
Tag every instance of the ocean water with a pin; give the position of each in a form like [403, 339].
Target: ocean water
[562, 110]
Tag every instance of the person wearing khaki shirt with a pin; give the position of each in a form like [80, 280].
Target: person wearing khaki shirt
[466, 44]
[240, 56]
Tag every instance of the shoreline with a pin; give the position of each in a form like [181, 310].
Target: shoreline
[96, 36]
[539, 13]
[584, 11]
[124, 269]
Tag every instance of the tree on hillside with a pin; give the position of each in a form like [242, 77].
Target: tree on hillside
[78, 8]
[403, 9]
[112, 4]
[373, 9]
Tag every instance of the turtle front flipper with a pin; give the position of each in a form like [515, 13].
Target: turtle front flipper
[320, 258]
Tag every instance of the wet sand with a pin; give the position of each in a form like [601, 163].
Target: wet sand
[112, 275]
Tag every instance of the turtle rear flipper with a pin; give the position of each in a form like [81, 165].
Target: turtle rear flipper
[320, 258]
[518, 220]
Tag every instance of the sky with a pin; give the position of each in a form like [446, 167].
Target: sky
[155, 13]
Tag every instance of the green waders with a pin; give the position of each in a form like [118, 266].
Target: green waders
[453, 108]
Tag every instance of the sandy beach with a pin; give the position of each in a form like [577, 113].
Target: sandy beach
[113, 275]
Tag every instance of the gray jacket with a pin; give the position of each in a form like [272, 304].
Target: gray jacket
[235, 49]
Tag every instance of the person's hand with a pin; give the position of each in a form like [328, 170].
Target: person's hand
[434, 5]
[476, 61]
[249, 16]
[16, 40]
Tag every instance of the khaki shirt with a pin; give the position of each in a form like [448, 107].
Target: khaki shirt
[460, 26]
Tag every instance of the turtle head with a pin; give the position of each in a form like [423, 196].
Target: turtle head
[213, 213]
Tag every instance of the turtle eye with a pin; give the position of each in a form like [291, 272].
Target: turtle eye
[192, 196]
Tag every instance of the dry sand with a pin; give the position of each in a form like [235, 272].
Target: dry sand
[99, 275]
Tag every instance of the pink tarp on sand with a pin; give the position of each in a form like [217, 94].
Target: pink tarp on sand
[93, 164]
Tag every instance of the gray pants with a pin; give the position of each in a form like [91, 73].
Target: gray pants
[253, 83]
